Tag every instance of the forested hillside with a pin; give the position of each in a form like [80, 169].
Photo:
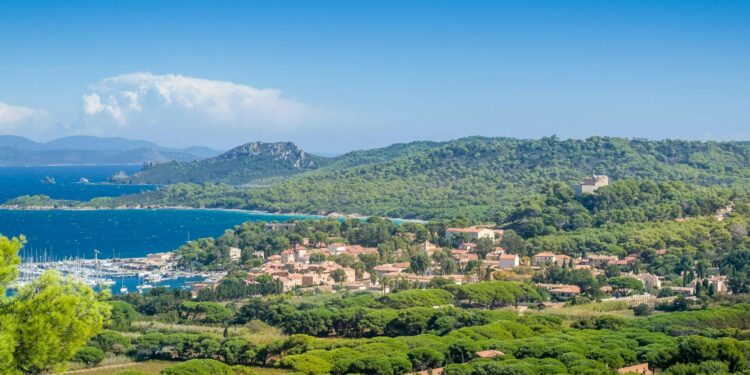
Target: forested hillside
[479, 178]
[484, 178]
[240, 165]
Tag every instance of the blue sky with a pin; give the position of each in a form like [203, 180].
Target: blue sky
[340, 75]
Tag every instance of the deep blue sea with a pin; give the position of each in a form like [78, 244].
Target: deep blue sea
[17, 181]
[121, 233]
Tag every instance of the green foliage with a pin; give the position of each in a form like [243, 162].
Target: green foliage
[556, 208]
[199, 367]
[111, 341]
[89, 355]
[417, 298]
[123, 315]
[477, 178]
[49, 320]
[204, 312]
[241, 165]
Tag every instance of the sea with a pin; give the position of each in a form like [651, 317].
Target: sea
[59, 234]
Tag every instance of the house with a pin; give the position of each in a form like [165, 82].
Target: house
[544, 258]
[591, 185]
[235, 254]
[495, 255]
[358, 250]
[509, 261]
[563, 260]
[279, 226]
[561, 290]
[385, 269]
[565, 291]
[489, 353]
[288, 256]
[683, 290]
[649, 281]
[641, 368]
[601, 261]
[336, 248]
[472, 233]
[428, 248]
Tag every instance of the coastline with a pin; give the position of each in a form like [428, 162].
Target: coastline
[187, 208]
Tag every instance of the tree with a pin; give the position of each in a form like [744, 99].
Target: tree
[54, 317]
[484, 247]
[419, 263]
[123, 315]
[643, 309]
[317, 257]
[47, 321]
[338, 275]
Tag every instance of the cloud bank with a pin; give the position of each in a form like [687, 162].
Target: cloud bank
[173, 107]
[22, 120]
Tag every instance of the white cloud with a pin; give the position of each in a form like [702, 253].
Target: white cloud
[22, 120]
[142, 104]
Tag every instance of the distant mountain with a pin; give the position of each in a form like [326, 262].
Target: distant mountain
[241, 165]
[19, 151]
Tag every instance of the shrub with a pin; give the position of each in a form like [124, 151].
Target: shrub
[643, 309]
[199, 367]
[89, 355]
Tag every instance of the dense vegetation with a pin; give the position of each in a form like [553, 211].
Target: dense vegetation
[47, 321]
[403, 332]
[240, 165]
[477, 178]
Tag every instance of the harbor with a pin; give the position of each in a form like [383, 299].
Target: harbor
[121, 275]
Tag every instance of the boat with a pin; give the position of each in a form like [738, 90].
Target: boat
[48, 180]
[84, 180]
[143, 287]
[124, 290]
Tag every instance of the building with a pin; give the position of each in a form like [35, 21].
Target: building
[472, 233]
[543, 259]
[649, 281]
[641, 368]
[279, 226]
[288, 256]
[235, 254]
[509, 261]
[590, 185]
[601, 261]
[337, 248]
[565, 291]
[428, 248]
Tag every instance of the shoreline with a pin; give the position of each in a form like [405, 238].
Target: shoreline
[186, 208]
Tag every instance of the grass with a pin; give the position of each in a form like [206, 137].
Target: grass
[154, 368]
[590, 310]
[148, 367]
[255, 331]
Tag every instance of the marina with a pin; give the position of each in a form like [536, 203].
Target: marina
[121, 275]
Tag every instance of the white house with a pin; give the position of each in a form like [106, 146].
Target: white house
[235, 254]
[472, 233]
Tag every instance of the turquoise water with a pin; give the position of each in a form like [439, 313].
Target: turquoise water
[121, 233]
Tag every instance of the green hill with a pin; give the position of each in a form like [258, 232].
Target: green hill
[477, 178]
[240, 165]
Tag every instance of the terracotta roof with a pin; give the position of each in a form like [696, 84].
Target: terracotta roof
[545, 254]
[465, 230]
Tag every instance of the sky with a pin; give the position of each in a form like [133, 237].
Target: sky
[335, 76]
